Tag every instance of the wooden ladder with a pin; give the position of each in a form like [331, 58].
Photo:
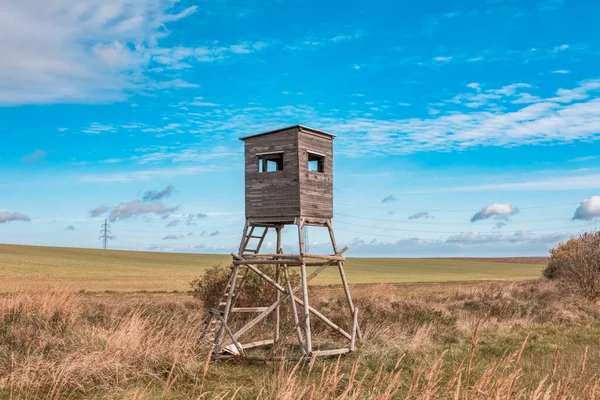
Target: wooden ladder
[212, 321]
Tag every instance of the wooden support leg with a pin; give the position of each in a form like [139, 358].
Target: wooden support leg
[340, 265]
[277, 279]
[307, 333]
[294, 311]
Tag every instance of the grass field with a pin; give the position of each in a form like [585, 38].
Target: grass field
[29, 267]
[503, 337]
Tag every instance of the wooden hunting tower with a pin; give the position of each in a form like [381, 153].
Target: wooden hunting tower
[289, 175]
[289, 181]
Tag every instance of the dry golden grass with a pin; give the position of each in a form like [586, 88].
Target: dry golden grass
[515, 340]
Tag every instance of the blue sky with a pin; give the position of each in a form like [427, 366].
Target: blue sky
[463, 127]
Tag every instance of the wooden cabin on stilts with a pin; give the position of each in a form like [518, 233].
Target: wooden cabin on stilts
[289, 182]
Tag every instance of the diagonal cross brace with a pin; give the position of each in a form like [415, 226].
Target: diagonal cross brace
[261, 316]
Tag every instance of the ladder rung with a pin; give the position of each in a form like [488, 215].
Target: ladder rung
[251, 250]
[255, 237]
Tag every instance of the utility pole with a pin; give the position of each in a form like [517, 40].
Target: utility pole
[105, 234]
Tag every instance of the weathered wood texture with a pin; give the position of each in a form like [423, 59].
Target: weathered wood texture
[272, 194]
[316, 188]
[293, 192]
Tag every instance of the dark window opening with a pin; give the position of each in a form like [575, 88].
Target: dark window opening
[270, 162]
[316, 162]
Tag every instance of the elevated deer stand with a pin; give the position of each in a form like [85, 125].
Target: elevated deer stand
[289, 181]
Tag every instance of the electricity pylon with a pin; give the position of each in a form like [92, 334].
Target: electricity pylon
[105, 234]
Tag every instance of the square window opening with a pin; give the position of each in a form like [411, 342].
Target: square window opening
[316, 162]
[270, 162]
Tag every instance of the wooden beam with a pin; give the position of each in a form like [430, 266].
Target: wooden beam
[334, 257]
[354, 330]
[307, 333]
[294, 311]
[333, 352]
[277, 279]
[248, 309]
[269, 262]
[258, 343]
[235, 342]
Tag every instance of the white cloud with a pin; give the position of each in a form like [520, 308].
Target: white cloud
[496, 211]
[442, 59]
[79, 51]
[562, 47]
[560, 71]
[588, 209]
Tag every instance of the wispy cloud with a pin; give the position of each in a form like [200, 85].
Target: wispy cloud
[442, 59]
[6, 216]
[153, 195]
[557, 119]
[36, 155]
[389, 199]
[560, 183]
[316, 41]
[135, 208]
[179, 57]
[96, 212]
[143, 175]
[173, 237]
[419, 215]
[96, 128]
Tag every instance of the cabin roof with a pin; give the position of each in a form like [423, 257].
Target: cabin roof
[288, 127]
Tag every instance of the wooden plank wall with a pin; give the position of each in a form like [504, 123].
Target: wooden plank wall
[275, 194]
[316, 188]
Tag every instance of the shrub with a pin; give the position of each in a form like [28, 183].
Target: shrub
[576, 265]
[210, 286]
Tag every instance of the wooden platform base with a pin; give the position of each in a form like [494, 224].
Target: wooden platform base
[227, 343]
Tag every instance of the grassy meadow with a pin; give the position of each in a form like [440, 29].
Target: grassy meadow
[81, 324]
[26, 267]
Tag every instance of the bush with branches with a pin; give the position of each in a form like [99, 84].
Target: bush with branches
[210, 286]
[575, 264]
